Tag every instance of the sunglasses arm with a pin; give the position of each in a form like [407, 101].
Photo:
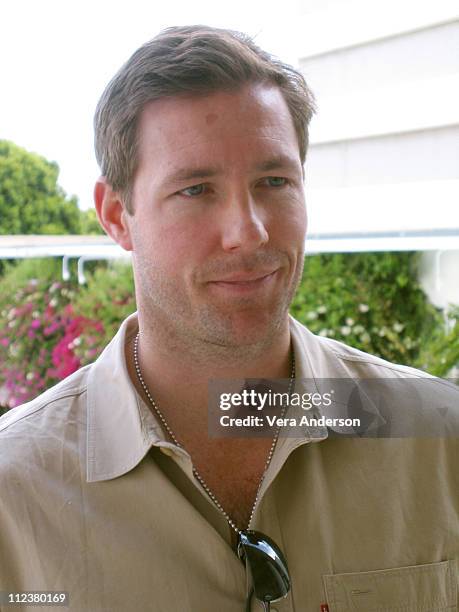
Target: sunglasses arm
[248, 603]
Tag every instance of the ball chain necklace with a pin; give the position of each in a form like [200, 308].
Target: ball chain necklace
[177, 443]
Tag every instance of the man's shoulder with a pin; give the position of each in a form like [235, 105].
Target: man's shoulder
[359, 361]
[49, 410]
[339, 360]
[43, 437]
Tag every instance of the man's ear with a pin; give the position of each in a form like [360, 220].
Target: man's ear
[112, 214]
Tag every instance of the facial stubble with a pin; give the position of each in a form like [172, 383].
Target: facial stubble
[208, 328]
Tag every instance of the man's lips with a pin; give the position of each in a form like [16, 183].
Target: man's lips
[244, 277]
[241, 280]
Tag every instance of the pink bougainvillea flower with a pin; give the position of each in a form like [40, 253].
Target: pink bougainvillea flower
[50, 329]
[54, 339]
[68, 310]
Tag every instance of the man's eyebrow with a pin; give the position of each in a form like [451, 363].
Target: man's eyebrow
[183, 175]
[278, 162]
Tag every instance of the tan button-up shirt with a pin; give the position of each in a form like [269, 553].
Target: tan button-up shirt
[96, 502]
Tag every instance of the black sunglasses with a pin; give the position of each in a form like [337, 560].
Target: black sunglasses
[266, 567]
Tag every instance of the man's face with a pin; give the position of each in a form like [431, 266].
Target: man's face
[219, 217]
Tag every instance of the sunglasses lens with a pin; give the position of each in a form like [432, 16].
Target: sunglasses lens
[266, 565]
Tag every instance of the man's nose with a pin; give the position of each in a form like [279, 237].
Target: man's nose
[243, 224]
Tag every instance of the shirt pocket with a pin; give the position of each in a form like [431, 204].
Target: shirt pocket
[416, 588]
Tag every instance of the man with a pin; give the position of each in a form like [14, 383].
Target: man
[112, 489]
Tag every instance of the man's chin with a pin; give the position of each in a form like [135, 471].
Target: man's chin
[247, 328]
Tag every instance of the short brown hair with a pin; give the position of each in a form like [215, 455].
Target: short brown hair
[186, 60]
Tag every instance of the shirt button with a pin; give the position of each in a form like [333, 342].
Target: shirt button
[166, 451]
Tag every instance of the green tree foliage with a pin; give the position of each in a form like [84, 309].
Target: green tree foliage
[373, 301]
[89, 223]
[31, 201]
[107, 296]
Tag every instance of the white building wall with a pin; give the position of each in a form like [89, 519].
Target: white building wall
[384, 152]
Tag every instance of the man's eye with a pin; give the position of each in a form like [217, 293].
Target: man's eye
[276, 181]
[194, 190]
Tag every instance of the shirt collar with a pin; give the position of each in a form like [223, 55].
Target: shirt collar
[322, 370]
[121, 428]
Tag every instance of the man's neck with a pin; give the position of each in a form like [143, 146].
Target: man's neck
[178, 379]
